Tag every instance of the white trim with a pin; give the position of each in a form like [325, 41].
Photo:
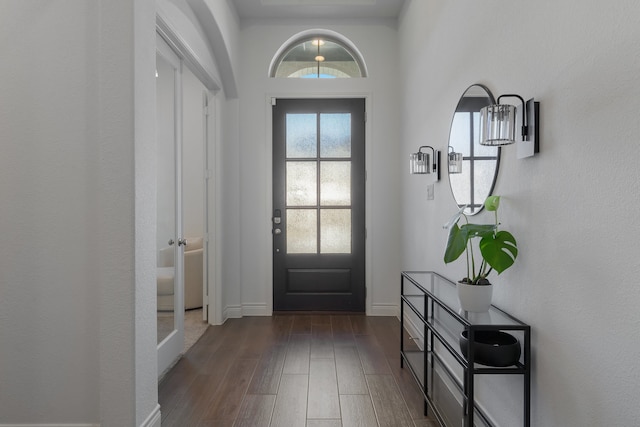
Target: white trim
[212, 202]
[232, 312]
[390, 310]
[368, 198]
[216, 311]
[256, 310]
[191, 59]
[208, 252]
[50, 425]
[154, 418]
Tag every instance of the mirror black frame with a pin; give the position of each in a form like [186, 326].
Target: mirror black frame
[475, 207]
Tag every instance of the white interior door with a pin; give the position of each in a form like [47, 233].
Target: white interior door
[170, 240]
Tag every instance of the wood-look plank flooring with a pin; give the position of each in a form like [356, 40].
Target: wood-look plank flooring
[294, 370]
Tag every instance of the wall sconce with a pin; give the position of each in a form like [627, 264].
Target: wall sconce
[455, 161]
[498, 125]
[419, 163]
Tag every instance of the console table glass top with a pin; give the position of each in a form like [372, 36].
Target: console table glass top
[443, 291]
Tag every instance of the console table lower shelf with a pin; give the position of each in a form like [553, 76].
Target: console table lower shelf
[446, 377]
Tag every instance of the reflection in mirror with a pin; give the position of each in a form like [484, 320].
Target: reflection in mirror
[165, 196]
[479, 163]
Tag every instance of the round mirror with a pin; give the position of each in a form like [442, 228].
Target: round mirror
[473, 168]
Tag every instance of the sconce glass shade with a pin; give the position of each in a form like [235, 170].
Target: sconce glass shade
[498, 124]
[455, 162]
[419, 163]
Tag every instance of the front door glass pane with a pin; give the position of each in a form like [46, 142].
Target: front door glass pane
[335, 183]
[302, 183]
[335, 135]
[301, 136]
[302, 232]
[335, 234]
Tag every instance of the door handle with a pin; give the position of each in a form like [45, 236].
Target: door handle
[277, 231]
[181, 242]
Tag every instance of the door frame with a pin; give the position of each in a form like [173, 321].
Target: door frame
[181, 47]
[268, 189]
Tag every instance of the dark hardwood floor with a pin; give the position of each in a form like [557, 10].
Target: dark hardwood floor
[313, 370]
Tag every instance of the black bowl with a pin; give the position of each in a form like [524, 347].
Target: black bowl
[492, 348]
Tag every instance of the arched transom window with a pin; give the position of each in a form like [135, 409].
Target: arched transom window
[318, 57]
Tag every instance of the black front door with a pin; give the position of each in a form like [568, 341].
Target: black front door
[319, 204]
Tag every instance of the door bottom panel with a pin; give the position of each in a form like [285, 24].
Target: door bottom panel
[314, 280]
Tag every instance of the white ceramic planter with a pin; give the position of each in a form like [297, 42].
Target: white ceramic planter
[475, 298]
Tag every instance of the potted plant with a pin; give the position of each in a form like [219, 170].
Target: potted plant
[498, 251]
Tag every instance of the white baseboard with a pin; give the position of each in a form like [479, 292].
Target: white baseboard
[256, 310]
[237, 311]
[384, 310]
[51, 425]
[153, 420]
[231, 312]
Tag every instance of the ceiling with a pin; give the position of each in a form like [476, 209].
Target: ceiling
[325, 9]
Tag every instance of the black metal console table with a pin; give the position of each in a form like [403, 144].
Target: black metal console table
[435, 312]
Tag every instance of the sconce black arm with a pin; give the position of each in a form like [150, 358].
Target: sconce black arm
[525, 125]
[436, 159]
[435, 167]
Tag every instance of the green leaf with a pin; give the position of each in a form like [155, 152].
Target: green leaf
[492, 203]
[477, 230]
[456, 244]
[500, 251]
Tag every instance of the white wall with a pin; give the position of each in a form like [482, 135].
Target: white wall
[572, 207]
[377, 42]
[48, 175]
[76, 289]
